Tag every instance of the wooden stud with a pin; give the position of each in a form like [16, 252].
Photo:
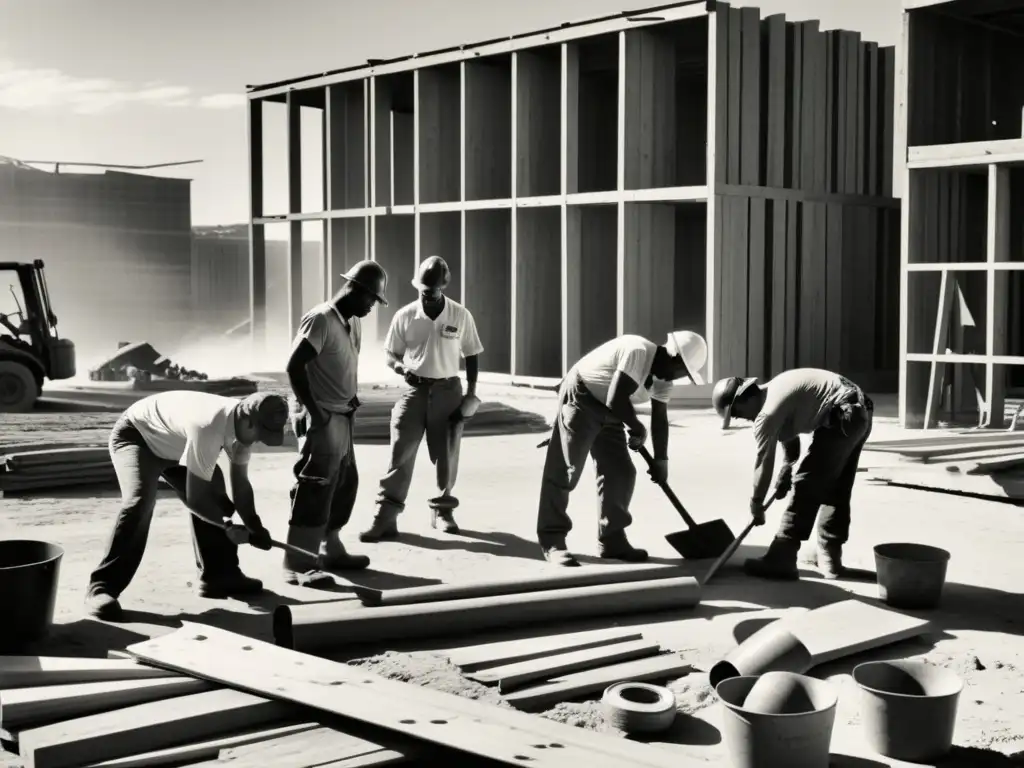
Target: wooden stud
[294, 279]
[717, 100]
[257, 233]
[752, 125]
[571, 254]
[476, 657]
[718, 96]
[734, 71]
[775, 38]
[780, 256]
[900, 143]
[997, 250]
[947, 289]
[794, 106]
[835, 264]
[34, 671]
[758, 290]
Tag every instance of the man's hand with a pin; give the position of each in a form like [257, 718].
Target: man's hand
[637, 436]
[757, 511]
[659, 471]
[237, 534]
[259, 536]
[784, 482]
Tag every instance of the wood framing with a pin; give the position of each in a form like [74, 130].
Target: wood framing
[961, 155]
[690, 166]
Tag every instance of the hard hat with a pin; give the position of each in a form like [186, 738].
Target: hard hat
[433, 274]
[724, 395]
[371, 277]
[692, 348]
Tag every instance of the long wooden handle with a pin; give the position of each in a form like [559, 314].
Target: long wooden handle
[281, 545]
[724, 557]
[642, 450]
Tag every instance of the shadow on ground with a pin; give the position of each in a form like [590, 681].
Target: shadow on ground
[959, 757]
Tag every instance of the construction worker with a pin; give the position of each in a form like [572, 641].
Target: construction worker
[178, 436]
[595, 401]
[323, 371]
[838, 415]
[424, 344]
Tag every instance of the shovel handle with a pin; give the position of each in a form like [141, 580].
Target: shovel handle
[642, 450]
[286, 547]
[724, 557]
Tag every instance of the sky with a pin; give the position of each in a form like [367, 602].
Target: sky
[141, 82]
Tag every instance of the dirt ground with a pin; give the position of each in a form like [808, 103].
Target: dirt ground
[979, 631]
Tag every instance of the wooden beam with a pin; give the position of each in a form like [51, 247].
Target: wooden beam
[997, 250]
[988, 486]
[257, 234]
[906, 418]
[440, 718]
[649, 144]
[689, 9]
[33, 671]
[716, 139]
[294, 281]
[512, 676]
[979, 154]
[153, 725]
[620, 186]
[569, 687]
[947, 290]
[475, 657]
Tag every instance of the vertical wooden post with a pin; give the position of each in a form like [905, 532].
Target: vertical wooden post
[620, 186]
[712, 175]
[901, 172]
[294, 133]
[514, 226]
[416, 168]
[571, 256]
[257, 232]
[330, 147]
[997, 249]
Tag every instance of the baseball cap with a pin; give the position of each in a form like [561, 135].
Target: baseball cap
[270, 414]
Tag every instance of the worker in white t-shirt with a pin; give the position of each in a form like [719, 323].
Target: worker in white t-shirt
[425, 344]
[179, 436]
[596, 399]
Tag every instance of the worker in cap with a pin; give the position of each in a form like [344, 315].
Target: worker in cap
[424, 345]
[838, 416]
[596, 400]
[178, 436]
[323, 371]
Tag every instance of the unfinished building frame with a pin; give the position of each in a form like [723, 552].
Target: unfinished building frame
[961, 143]
[689, 166]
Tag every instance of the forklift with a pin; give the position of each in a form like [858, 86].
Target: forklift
[30, 349]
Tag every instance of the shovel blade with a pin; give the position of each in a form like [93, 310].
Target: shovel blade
[703, 542]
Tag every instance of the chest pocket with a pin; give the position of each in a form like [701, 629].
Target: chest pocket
[418, 332]
[450, 332]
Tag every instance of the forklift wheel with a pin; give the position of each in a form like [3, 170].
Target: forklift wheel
[18, 388]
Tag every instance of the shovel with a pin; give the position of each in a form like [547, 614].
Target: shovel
[285, 547]
[703, 540]
[731, 549]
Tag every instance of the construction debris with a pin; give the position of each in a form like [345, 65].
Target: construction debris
[141, 362]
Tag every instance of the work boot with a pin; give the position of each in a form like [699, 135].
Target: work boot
[235, 584]
[560, 556]
[103, 606]
[447, 519]
[384, 526]
[779, 562]
[334, 556]
[830, 559]
[619, 548]
[300, 570]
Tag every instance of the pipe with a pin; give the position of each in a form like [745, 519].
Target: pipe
[576, 577]
[317, 626]
[798, 643]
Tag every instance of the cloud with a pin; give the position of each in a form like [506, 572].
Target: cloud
[26, 89]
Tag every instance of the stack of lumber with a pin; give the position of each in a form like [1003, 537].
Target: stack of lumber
[51, 467]
[977, 463]
[204, 696]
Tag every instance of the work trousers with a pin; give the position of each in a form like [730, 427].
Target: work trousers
[585, 426]
[425, 409]
[138, 472]
[326, 476]
[823, 480]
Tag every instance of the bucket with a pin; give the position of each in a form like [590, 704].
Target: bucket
[756, 740]
[29, 572]
[908, 708]
[910, 575]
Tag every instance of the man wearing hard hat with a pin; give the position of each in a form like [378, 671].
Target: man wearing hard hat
[596, 400]
[323, 371]
[424, 345]
[838, 416]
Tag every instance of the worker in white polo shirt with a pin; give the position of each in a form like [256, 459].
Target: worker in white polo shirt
[596, 400]
[425, 343]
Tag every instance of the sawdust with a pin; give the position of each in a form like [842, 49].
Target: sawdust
[587, 715]
[693, 693]
[430, 671]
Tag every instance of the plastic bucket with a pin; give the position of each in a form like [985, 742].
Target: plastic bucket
[756, 740]
[910, 575]
[29, 573]
[908, 708]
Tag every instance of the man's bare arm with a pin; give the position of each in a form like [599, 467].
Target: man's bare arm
[242, 494]
[303, 353]
[472, 373]
[659, 429]
[621, 389]
[201, 499]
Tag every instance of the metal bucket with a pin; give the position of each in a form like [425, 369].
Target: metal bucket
[29, 574]
[757, 740]
[908, 708]
[911, 575]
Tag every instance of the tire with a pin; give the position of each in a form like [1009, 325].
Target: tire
[18, 387]
[639, 707]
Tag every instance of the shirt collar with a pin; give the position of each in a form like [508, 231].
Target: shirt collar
[422, 315]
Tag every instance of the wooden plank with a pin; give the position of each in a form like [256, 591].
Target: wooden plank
[309, 748]
[995, 487]
[375, 759]
[649, 269]
[947, 289]
[650, 118]
[720, 23]
[780, 256]
[538, 114]
[821, 115]
[872, 98]
[153, 725]
[751, 130]
[831, 108]
[32, 671]
[997, 312]
[945, 449]
[809, 105]
[966, 456]
[794, 104]
[887, 63]
[208, 749]
[838, 266]
[774, 39]
[488, 139]
[452, 721]
[759, 286]
[48, 703]
[475, 657]
[513, 676]
[733, 149]
[852, 116]
[950, 438]
[794, 214]
[862, 118]
[575, 686]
